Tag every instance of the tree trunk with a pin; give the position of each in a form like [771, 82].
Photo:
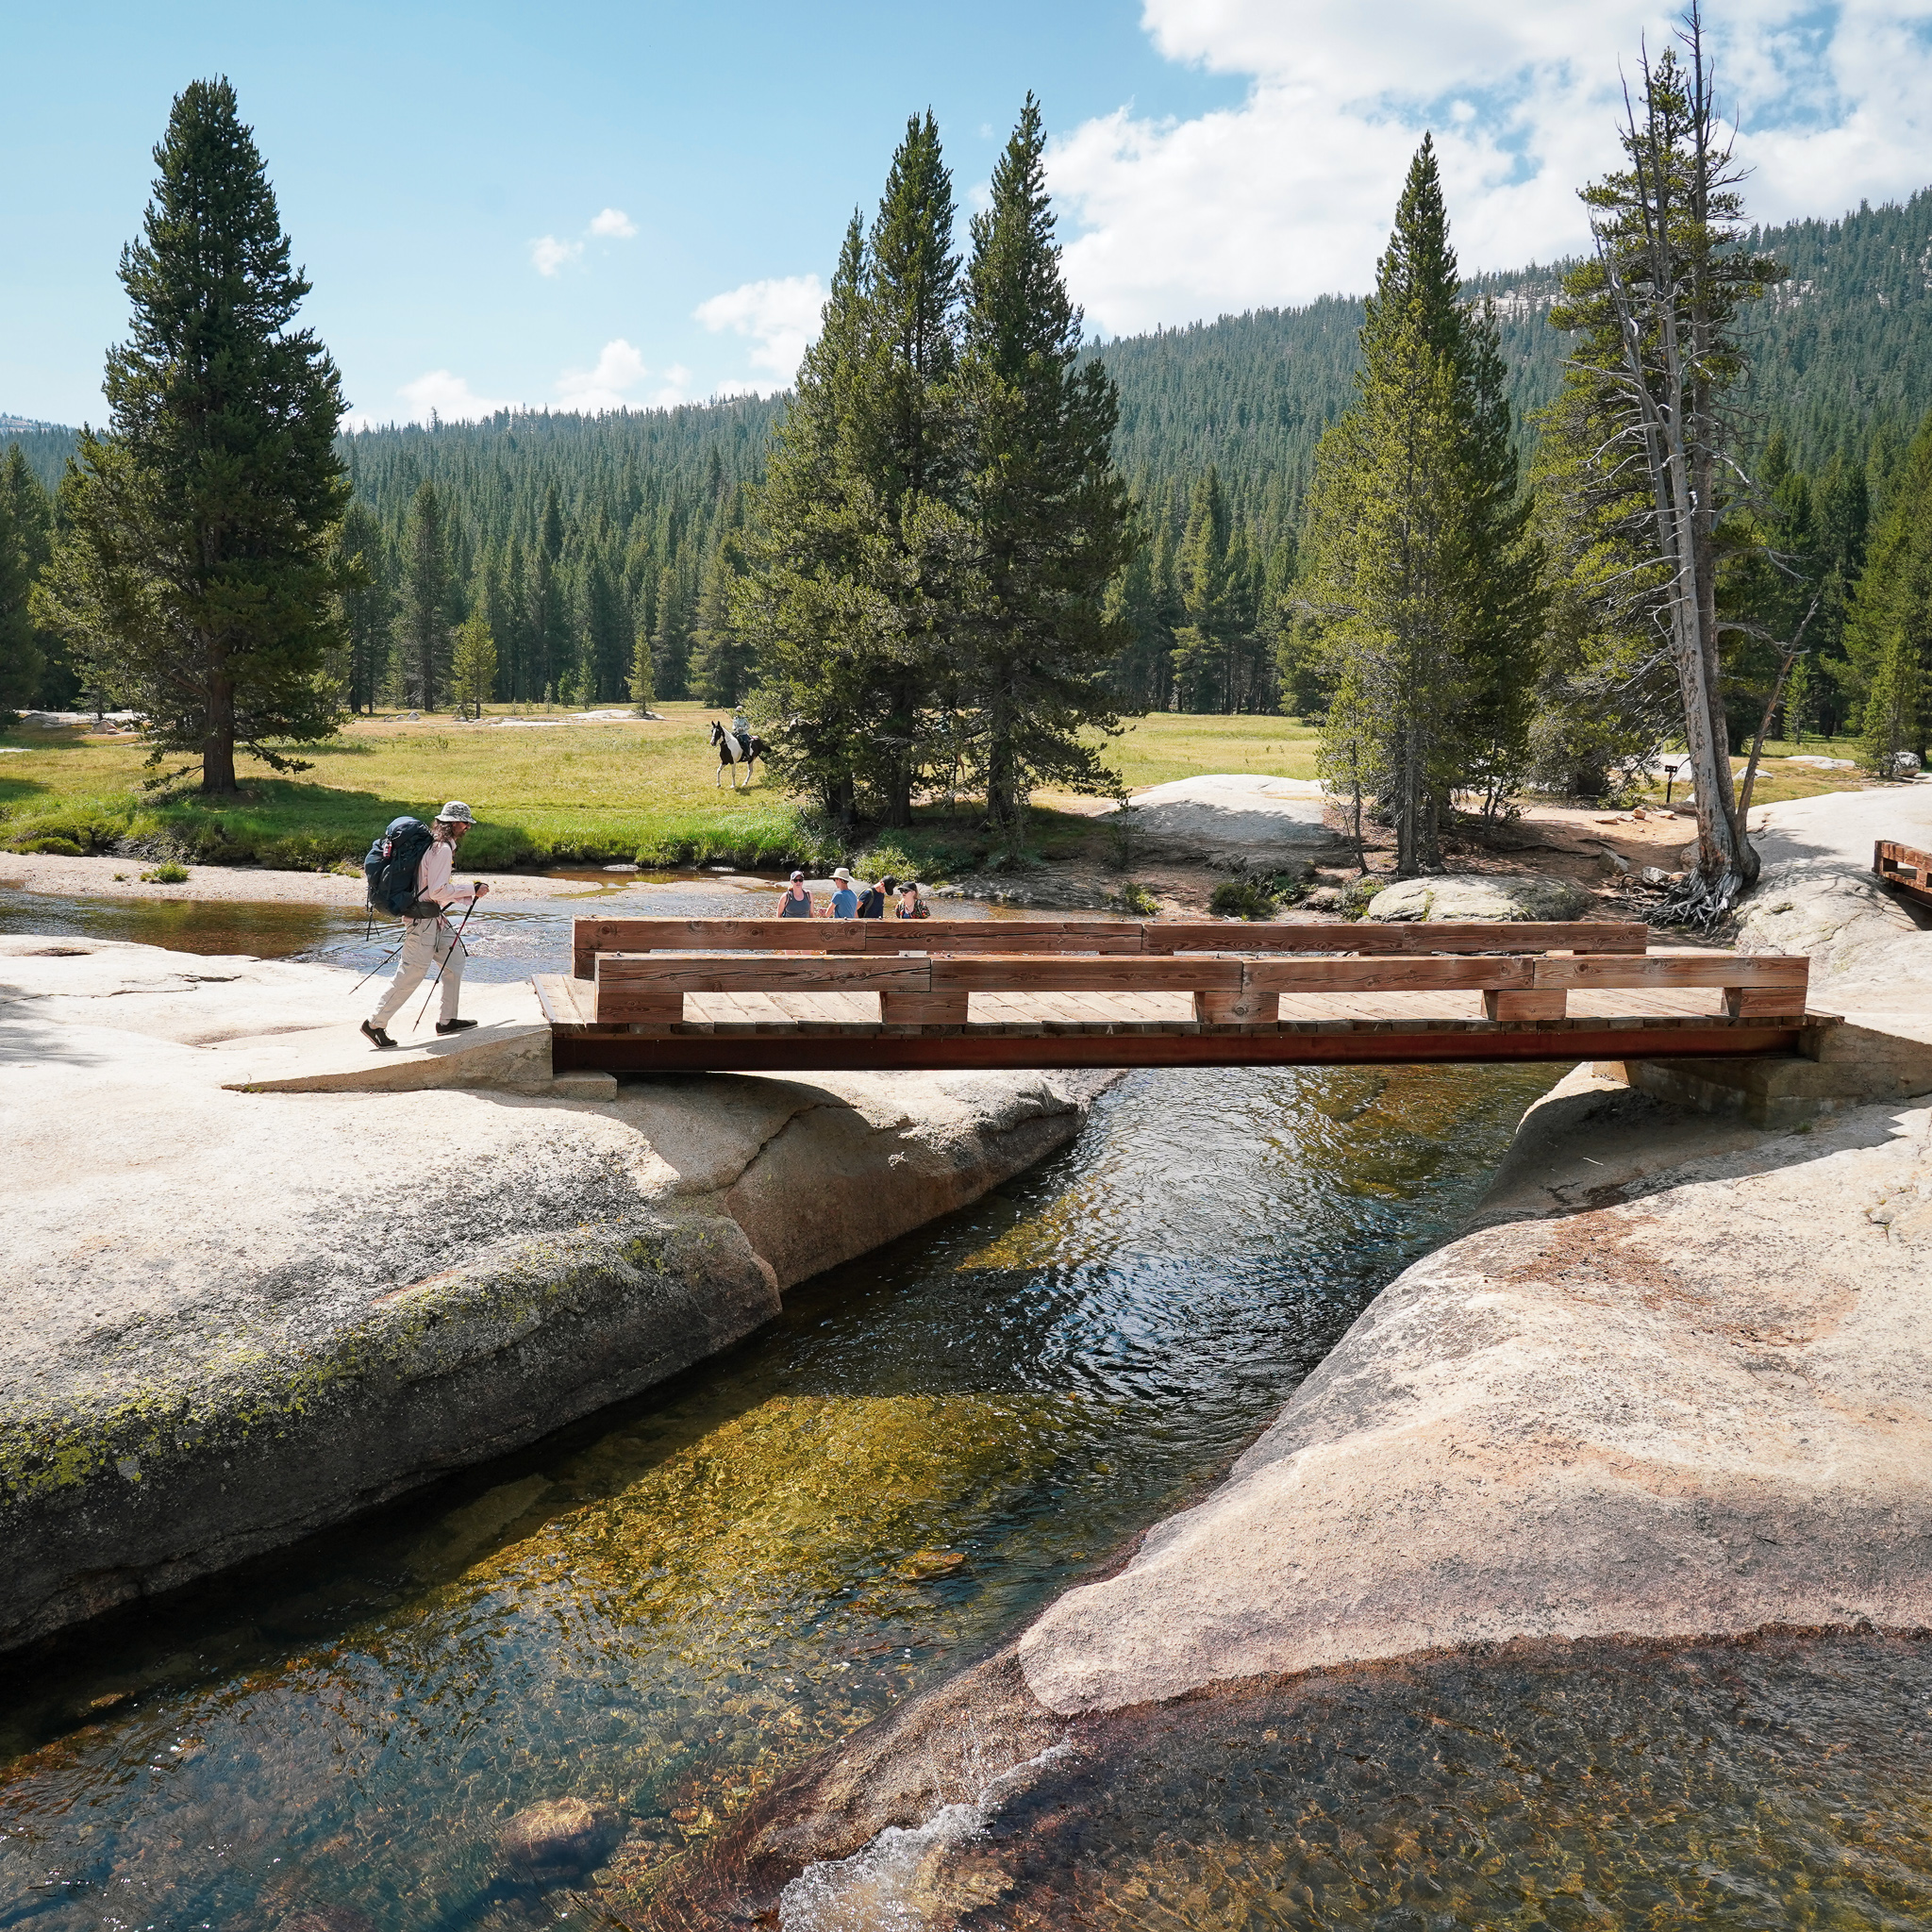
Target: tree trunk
[218, 744]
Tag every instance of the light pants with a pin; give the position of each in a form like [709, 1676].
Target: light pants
[424, 942]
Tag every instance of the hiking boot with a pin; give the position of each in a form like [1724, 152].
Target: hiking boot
[374, 1034]
[454, 1026]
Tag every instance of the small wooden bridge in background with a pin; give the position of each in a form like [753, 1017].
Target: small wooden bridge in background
[782, 996]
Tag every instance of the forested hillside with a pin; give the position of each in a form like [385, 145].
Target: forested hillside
[582, 535]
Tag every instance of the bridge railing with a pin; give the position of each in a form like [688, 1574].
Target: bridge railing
[1524, 973]
[1905, 867]
[843, 937]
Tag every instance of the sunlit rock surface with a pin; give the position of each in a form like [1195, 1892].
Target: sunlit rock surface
[228, 1317]
[1480, 895]
[1696, 1401]
[1247, 816]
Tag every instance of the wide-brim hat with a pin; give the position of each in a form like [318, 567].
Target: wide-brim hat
[456, 813]
[842, 874]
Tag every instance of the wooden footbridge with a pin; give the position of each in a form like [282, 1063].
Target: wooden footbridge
[775, 994]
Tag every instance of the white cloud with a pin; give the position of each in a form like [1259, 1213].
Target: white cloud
[620, 371]
[549, 254]
[447, 396]
[614, 222]
[1289, 195]
[779, 316]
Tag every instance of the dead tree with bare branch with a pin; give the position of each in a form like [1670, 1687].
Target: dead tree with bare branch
[1657, 310]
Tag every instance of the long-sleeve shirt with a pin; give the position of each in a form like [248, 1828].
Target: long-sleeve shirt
[433, 876]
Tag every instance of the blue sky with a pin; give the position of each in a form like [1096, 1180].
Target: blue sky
[592, 205]
[420, 151]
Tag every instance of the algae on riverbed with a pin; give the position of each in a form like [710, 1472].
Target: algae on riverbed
[1785, 1783]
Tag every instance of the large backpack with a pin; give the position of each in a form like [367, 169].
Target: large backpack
[390, 864]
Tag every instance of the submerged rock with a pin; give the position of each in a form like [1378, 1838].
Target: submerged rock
[559, 1839]
[325, 1919]
[1481, 895]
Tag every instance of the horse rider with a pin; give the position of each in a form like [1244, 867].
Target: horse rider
[740, 729]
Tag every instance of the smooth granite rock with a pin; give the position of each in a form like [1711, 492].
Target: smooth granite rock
[228, 1317]
[1247, 816]
[1480, 895]
[1695, 1400]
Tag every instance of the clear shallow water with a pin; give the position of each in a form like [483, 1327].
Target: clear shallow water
[508, 940]
[1767, 1785]
[664, 1609]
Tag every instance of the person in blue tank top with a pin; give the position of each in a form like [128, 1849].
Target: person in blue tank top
[797, 904]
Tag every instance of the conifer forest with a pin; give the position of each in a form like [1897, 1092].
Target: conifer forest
[973, 536]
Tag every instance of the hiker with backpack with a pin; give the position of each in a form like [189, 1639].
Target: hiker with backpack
[408, 874]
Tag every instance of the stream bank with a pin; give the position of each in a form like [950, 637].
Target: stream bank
[232, 1315]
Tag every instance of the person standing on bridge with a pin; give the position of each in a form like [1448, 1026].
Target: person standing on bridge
[427, 937]
[797, 904]
[844, 900]
[871, 902]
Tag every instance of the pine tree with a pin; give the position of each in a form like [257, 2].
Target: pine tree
[1139, 672]
[473, 666]
[642, 695]
[1050, 520]
[192, 565]
[605, 632]
[1504, 566]
[424, 608]
[800, 602]
[506, 607]
[1889, 629]
[723, 661]
[1207, 594]
[1388, 536]
[549, 619]
[1657, 310]
[1221, 661]
[25, 518]
[1606, 703]
[671, 641]
[854, 586]
[1425, 603]
[364, 606]
[906, 434]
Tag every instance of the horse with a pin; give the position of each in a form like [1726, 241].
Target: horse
[731, 754]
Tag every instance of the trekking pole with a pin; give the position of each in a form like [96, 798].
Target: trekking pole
[373, 972]
[444, 960]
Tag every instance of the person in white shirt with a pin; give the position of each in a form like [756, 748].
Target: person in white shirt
[428, 938]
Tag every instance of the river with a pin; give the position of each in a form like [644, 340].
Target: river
[663, 1607]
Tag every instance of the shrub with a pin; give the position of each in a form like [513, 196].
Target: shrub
[167, 874]
[1243, 899]
[886, 859]
[1139, 899]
